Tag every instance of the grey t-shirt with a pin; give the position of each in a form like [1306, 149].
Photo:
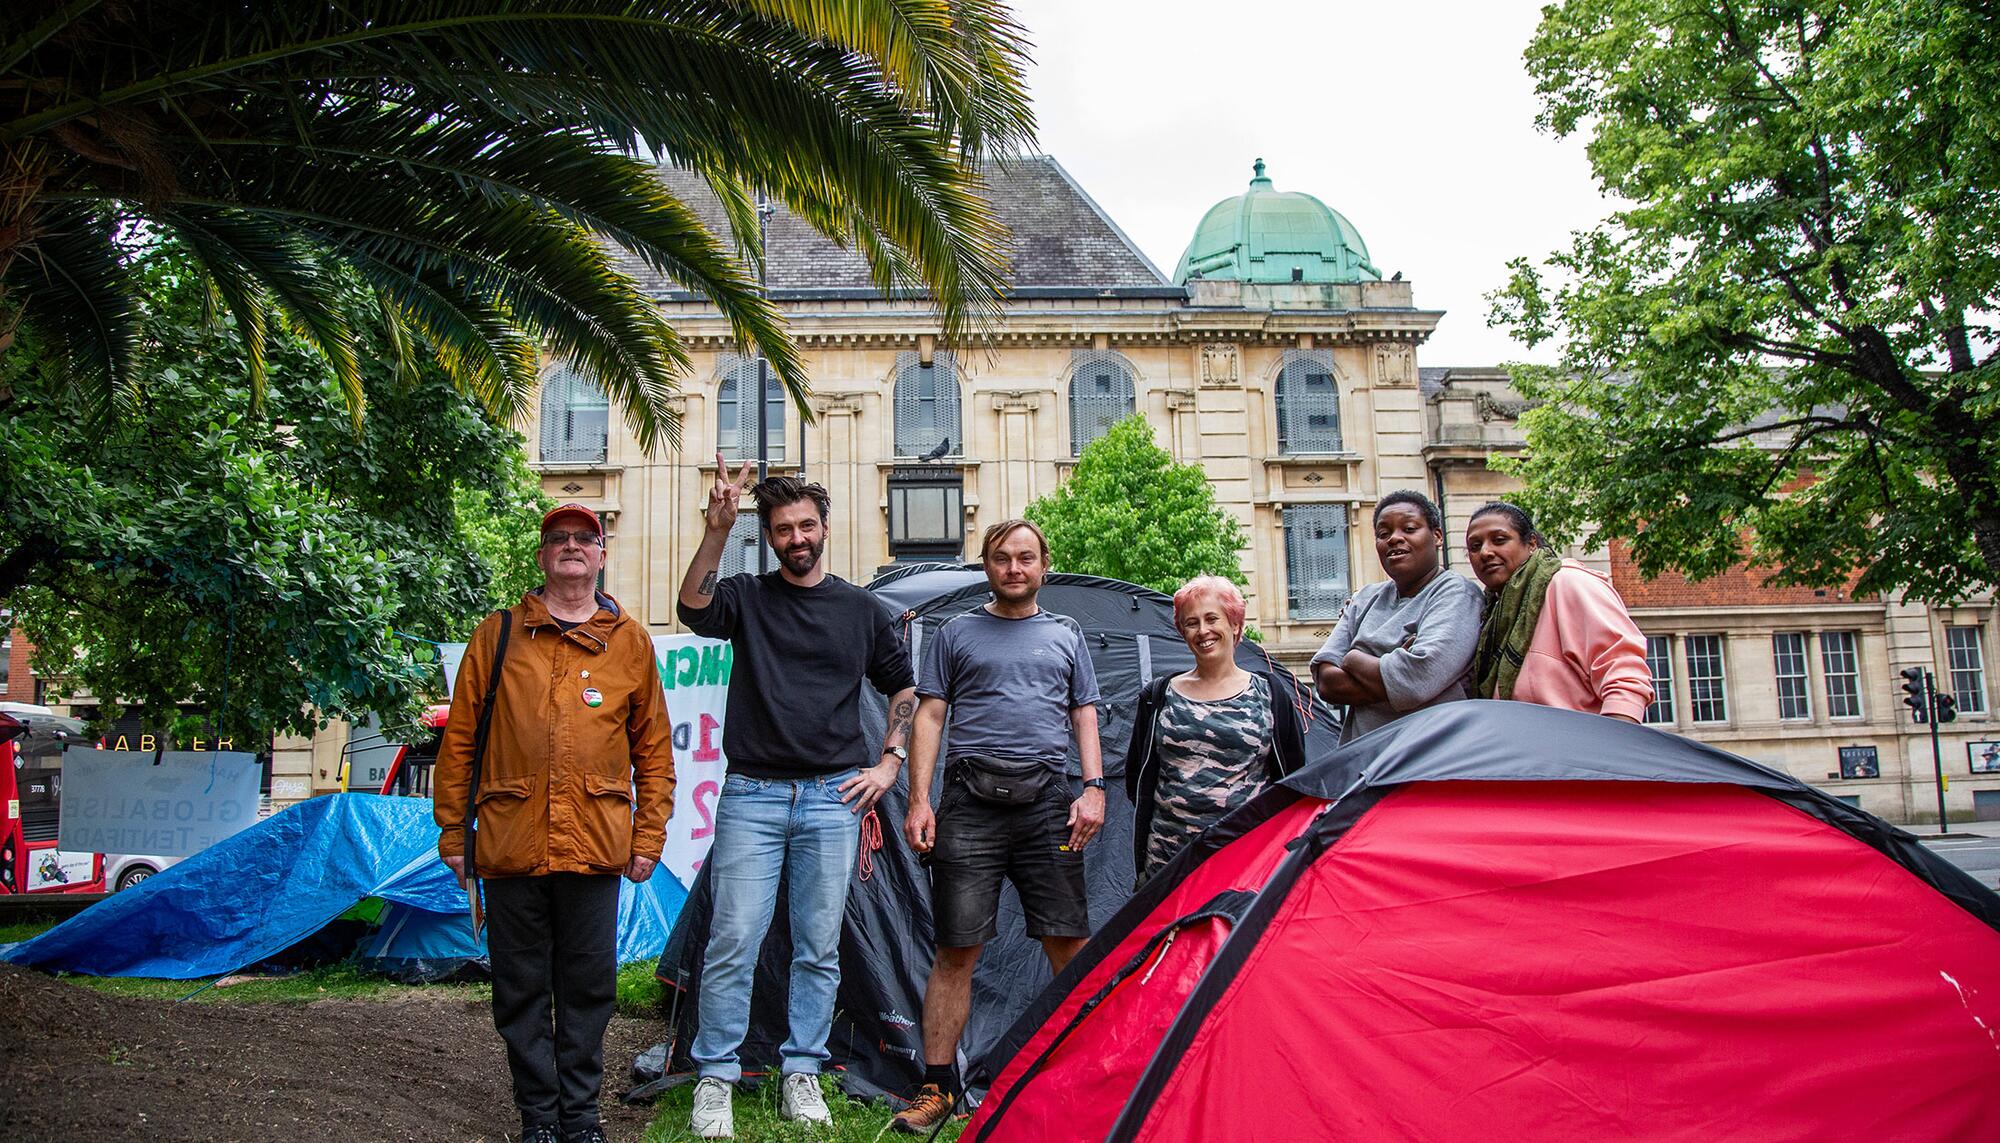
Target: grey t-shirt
[1425, 642]
[1011, 683]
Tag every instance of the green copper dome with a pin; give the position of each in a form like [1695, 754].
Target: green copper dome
[1264, 235]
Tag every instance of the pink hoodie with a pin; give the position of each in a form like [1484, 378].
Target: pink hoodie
[1587, 653]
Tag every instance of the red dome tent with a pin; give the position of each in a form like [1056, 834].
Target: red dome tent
[1500, 921]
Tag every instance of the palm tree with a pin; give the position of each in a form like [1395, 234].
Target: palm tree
[469, 163]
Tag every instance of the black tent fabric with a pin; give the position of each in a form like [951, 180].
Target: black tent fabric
[1497, 920]
[886, 946]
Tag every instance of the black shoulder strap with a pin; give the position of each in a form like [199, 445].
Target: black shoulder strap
[479, 744]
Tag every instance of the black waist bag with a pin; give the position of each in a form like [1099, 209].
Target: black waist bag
[1004, 781]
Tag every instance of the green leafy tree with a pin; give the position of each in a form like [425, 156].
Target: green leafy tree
[472, 163]
[255, 568]
[1779, 350]
[1130, 512]
[503, 524]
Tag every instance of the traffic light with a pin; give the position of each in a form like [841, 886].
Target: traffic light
[1913, 692]
[1945, 706]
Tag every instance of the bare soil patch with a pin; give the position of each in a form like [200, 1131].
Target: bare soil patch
[421, 1064]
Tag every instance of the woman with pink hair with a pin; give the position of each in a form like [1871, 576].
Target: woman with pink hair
[1207, 740]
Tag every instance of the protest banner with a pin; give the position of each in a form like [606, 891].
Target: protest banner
[172, 804]
[695, 673]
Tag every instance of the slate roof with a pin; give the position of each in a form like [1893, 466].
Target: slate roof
[1062, 242]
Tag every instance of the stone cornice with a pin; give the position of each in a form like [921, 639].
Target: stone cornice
[1133, 325]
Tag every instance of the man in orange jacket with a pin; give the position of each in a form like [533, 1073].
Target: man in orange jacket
[575, 786]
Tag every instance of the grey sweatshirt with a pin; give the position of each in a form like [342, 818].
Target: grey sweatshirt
[1425, 642]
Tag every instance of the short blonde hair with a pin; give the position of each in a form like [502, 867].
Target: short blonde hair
[1230, 596]
[1006, 528]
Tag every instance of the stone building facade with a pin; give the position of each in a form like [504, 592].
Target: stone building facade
[1283, 362]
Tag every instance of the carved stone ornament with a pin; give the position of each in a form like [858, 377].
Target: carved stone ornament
[1220, 366]
[837, 404]
[1491, 410]
[1015, 400]
[1395, 365]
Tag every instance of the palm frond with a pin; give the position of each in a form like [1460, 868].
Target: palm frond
[237, 247]
[466, 156]
[475, 343]
[76, 286]
[239, 293]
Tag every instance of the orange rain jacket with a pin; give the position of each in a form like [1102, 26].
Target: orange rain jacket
[579, 722]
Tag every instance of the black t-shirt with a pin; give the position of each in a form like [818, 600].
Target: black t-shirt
[799, 656]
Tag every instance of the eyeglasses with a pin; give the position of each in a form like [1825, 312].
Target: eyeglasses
[584, 539]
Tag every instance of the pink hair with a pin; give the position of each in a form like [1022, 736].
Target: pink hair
[1230, 598]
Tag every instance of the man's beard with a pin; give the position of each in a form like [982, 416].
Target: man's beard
[801, 563]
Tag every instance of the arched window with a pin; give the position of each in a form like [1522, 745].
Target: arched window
[927, 406]
[1308, 402]
[1317, 578]
[1100, 395]
[740, 553]
[575, 418]
[736, 421]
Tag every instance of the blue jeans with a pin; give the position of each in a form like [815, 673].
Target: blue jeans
[764, 827]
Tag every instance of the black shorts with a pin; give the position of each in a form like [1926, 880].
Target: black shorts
[978, 842]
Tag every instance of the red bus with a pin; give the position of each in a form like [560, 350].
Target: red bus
[32, 739]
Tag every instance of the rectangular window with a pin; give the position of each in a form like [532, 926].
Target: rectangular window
[1967, 661]
[1840, 662]
[1707, 688]
[1788, 653]
[1660, 664]
[1316, 574]
[926, 514]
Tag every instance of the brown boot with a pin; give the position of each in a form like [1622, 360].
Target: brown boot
[931, 1107]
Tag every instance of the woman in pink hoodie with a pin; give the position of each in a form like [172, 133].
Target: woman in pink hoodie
[1555, 632]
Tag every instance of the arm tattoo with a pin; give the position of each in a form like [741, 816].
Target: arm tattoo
[707, 584]
[899, 719]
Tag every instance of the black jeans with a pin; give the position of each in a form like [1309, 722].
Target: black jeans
[554, 938]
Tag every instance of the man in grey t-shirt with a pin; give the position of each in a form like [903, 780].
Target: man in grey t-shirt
[1018, 684]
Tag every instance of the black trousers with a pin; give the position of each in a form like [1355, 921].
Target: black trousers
[553, 941]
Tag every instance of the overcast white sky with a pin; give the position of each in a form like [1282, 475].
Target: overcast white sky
[1413, 119]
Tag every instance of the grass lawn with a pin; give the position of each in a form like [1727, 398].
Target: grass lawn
[328, 982]
[757, 1119]
[639, 994]
[22, 930]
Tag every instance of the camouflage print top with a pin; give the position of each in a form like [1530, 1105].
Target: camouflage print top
[1213, 757]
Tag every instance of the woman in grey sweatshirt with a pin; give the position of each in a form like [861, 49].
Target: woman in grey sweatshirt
[1408, 643]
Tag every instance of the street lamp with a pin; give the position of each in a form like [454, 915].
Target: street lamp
[764, 212]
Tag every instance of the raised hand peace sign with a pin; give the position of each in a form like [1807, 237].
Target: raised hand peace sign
[725, 498]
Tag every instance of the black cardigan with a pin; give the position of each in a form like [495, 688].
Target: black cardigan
[1288, 748]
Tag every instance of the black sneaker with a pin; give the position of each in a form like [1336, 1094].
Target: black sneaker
[590, 1134]
[541, 1133]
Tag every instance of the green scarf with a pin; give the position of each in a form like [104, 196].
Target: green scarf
[1509, 627]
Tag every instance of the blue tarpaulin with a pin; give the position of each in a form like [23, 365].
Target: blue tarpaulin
[272, 885]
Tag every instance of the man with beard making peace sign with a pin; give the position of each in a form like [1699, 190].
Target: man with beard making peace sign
[800, 776]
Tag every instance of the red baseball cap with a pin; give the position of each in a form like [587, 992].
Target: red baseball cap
[561, 510]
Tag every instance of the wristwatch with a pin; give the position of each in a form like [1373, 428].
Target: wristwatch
[1093, 783]
[900, 753]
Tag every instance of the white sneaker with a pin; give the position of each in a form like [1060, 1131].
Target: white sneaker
[712, 1118]
[801, 1099]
